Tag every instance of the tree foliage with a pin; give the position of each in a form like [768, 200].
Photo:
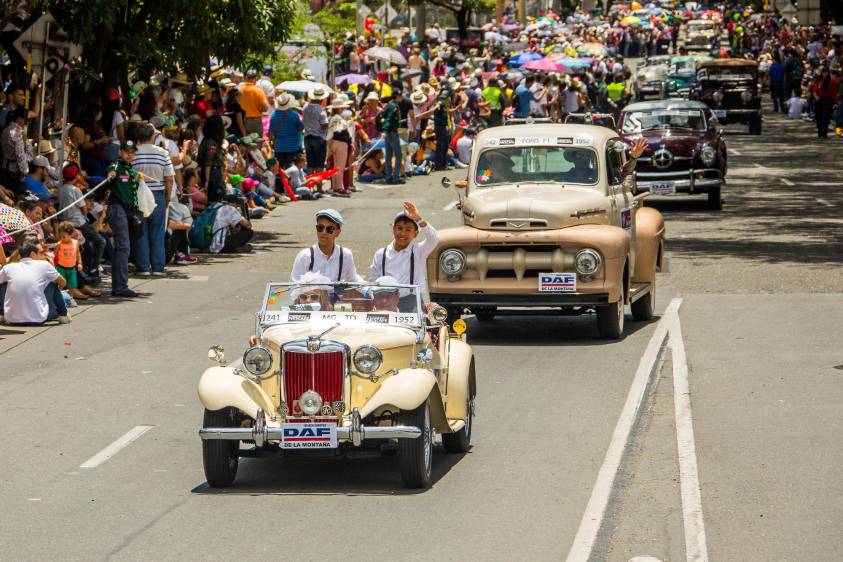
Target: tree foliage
[463, 10]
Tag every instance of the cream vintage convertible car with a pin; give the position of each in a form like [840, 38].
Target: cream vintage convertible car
[337, 367]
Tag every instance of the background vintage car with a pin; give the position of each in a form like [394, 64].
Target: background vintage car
[677, 159]
[730, 88]
[516, 231]
[423, 383]
[681, 74]
[697, 34]
[649, 76]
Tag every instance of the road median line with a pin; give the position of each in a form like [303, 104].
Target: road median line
[124, 441]
[595, 512]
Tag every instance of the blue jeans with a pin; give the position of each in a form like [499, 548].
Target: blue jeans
[393, 149]
[54, 300]
[119, 223]
[151, 245]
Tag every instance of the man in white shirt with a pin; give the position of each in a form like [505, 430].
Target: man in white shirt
[29, 289]
[795, 107]
[404, 259]
[155, 164]
[231, 230]
[464, 145]
[326, 256]
[265, 84]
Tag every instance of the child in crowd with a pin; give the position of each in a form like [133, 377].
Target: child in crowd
[795, 106]
[191, 187]
[295, 175]
[68, 261]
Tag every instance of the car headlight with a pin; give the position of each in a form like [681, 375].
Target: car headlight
[718, 96]
[368, 359]
[708, 155]
[452, 262]
[257, 360]
[671, 85]
[746, 95]
[310, 403]
[587, 262]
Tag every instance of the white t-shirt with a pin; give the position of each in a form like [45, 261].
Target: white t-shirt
[795, 107]
[226, 216]
[25, 301]
[268, 88]
[464, 149]
[170, 146]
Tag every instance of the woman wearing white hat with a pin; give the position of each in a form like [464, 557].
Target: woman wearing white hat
[285, 131]
[340, 133]
[315, 121]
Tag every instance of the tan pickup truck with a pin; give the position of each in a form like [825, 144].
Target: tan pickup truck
[551, 225]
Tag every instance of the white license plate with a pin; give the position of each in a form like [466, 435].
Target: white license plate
[309, 436]
[719, 113]
[557, 282]
[663, 188]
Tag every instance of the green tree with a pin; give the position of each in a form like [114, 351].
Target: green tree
[463, 10]
[146, 35]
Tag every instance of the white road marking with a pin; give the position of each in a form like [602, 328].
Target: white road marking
[127, 439]
[735, 152]
[375, 186]
[787, 181]
[451, 206]
[824, 202]
[757, 165]
[696, 549]
[595, 511]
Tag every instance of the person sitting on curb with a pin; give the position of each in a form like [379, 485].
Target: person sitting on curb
[30, 289]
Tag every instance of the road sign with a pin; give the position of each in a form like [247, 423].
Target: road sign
[48, 45]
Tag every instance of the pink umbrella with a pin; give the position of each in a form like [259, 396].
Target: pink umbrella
[545, 64]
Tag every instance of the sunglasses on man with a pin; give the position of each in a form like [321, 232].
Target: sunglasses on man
[329, 229]
[310, 297]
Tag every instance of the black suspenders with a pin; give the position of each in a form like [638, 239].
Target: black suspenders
[313, 257]
[412, 264]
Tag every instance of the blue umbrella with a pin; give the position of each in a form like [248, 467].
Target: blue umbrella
[522, 58]
[570, 62]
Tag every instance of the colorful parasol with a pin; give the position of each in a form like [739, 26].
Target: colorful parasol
[545, 65]
[13, 219]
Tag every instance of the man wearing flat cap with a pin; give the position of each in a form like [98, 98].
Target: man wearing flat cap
[326, 256]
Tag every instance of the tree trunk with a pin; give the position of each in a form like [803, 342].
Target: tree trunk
[421, 21]
[463, 15]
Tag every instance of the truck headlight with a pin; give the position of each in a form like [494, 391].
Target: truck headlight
[368, 359]
[746, 95]
[718, 96]
[310, 403]
[257, 360]
[587, 262]
[452, 262]
[708, 155]
[671, 85]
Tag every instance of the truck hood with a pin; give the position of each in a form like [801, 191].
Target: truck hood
[353, 335]
[534, 207]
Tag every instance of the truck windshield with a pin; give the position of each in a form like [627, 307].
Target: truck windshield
[537, 164]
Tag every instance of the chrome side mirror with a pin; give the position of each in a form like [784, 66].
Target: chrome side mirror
[446, 183]
[216, 353]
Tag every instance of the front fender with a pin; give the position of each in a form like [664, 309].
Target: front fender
[407, 390]
[460, 375]
[649, 234]
[221, 387]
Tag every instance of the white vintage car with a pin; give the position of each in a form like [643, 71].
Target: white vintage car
[337, 367]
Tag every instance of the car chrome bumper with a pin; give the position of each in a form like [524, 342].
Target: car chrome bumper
[356, 432]
[523, 300]
[683, 182]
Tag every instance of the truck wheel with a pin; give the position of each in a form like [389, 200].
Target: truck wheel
[485, 314]
[645, 307]
[220, 457]
[415, 456]
[460, 441]
[610, 320]
[714, 201]
[755, 125]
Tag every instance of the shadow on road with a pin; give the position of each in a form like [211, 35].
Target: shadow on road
[377, 475]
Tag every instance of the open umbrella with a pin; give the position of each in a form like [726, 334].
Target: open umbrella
[523, 58]
[302, 86]
[352, 79]
[544, 64]
[386, 54]
[13, 219]
[630, 20]
[572, 63]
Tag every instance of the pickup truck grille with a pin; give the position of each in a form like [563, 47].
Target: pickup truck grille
[516, 261]
[321, 371]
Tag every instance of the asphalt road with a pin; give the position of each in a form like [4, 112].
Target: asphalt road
[760, 348]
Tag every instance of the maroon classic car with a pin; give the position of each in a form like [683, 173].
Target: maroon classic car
[685, 151]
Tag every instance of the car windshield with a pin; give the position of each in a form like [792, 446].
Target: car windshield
[352, 303]
[654, 119]
[682, 67]
[728, 73]
[700, 27]
[571, 164]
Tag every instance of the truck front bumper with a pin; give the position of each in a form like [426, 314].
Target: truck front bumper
[521, 300]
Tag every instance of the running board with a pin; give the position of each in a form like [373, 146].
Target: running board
[638, 290]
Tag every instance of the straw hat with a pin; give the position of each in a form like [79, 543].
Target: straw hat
[317, 94]
[372, 96]
[433, 82]
[45, 148]
[202, 89]
[284, 101]
[339, 104]
[180, 78]
[418, 97]
[427, 89]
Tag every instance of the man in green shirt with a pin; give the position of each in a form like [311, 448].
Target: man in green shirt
[391, 118]
[123, 202]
